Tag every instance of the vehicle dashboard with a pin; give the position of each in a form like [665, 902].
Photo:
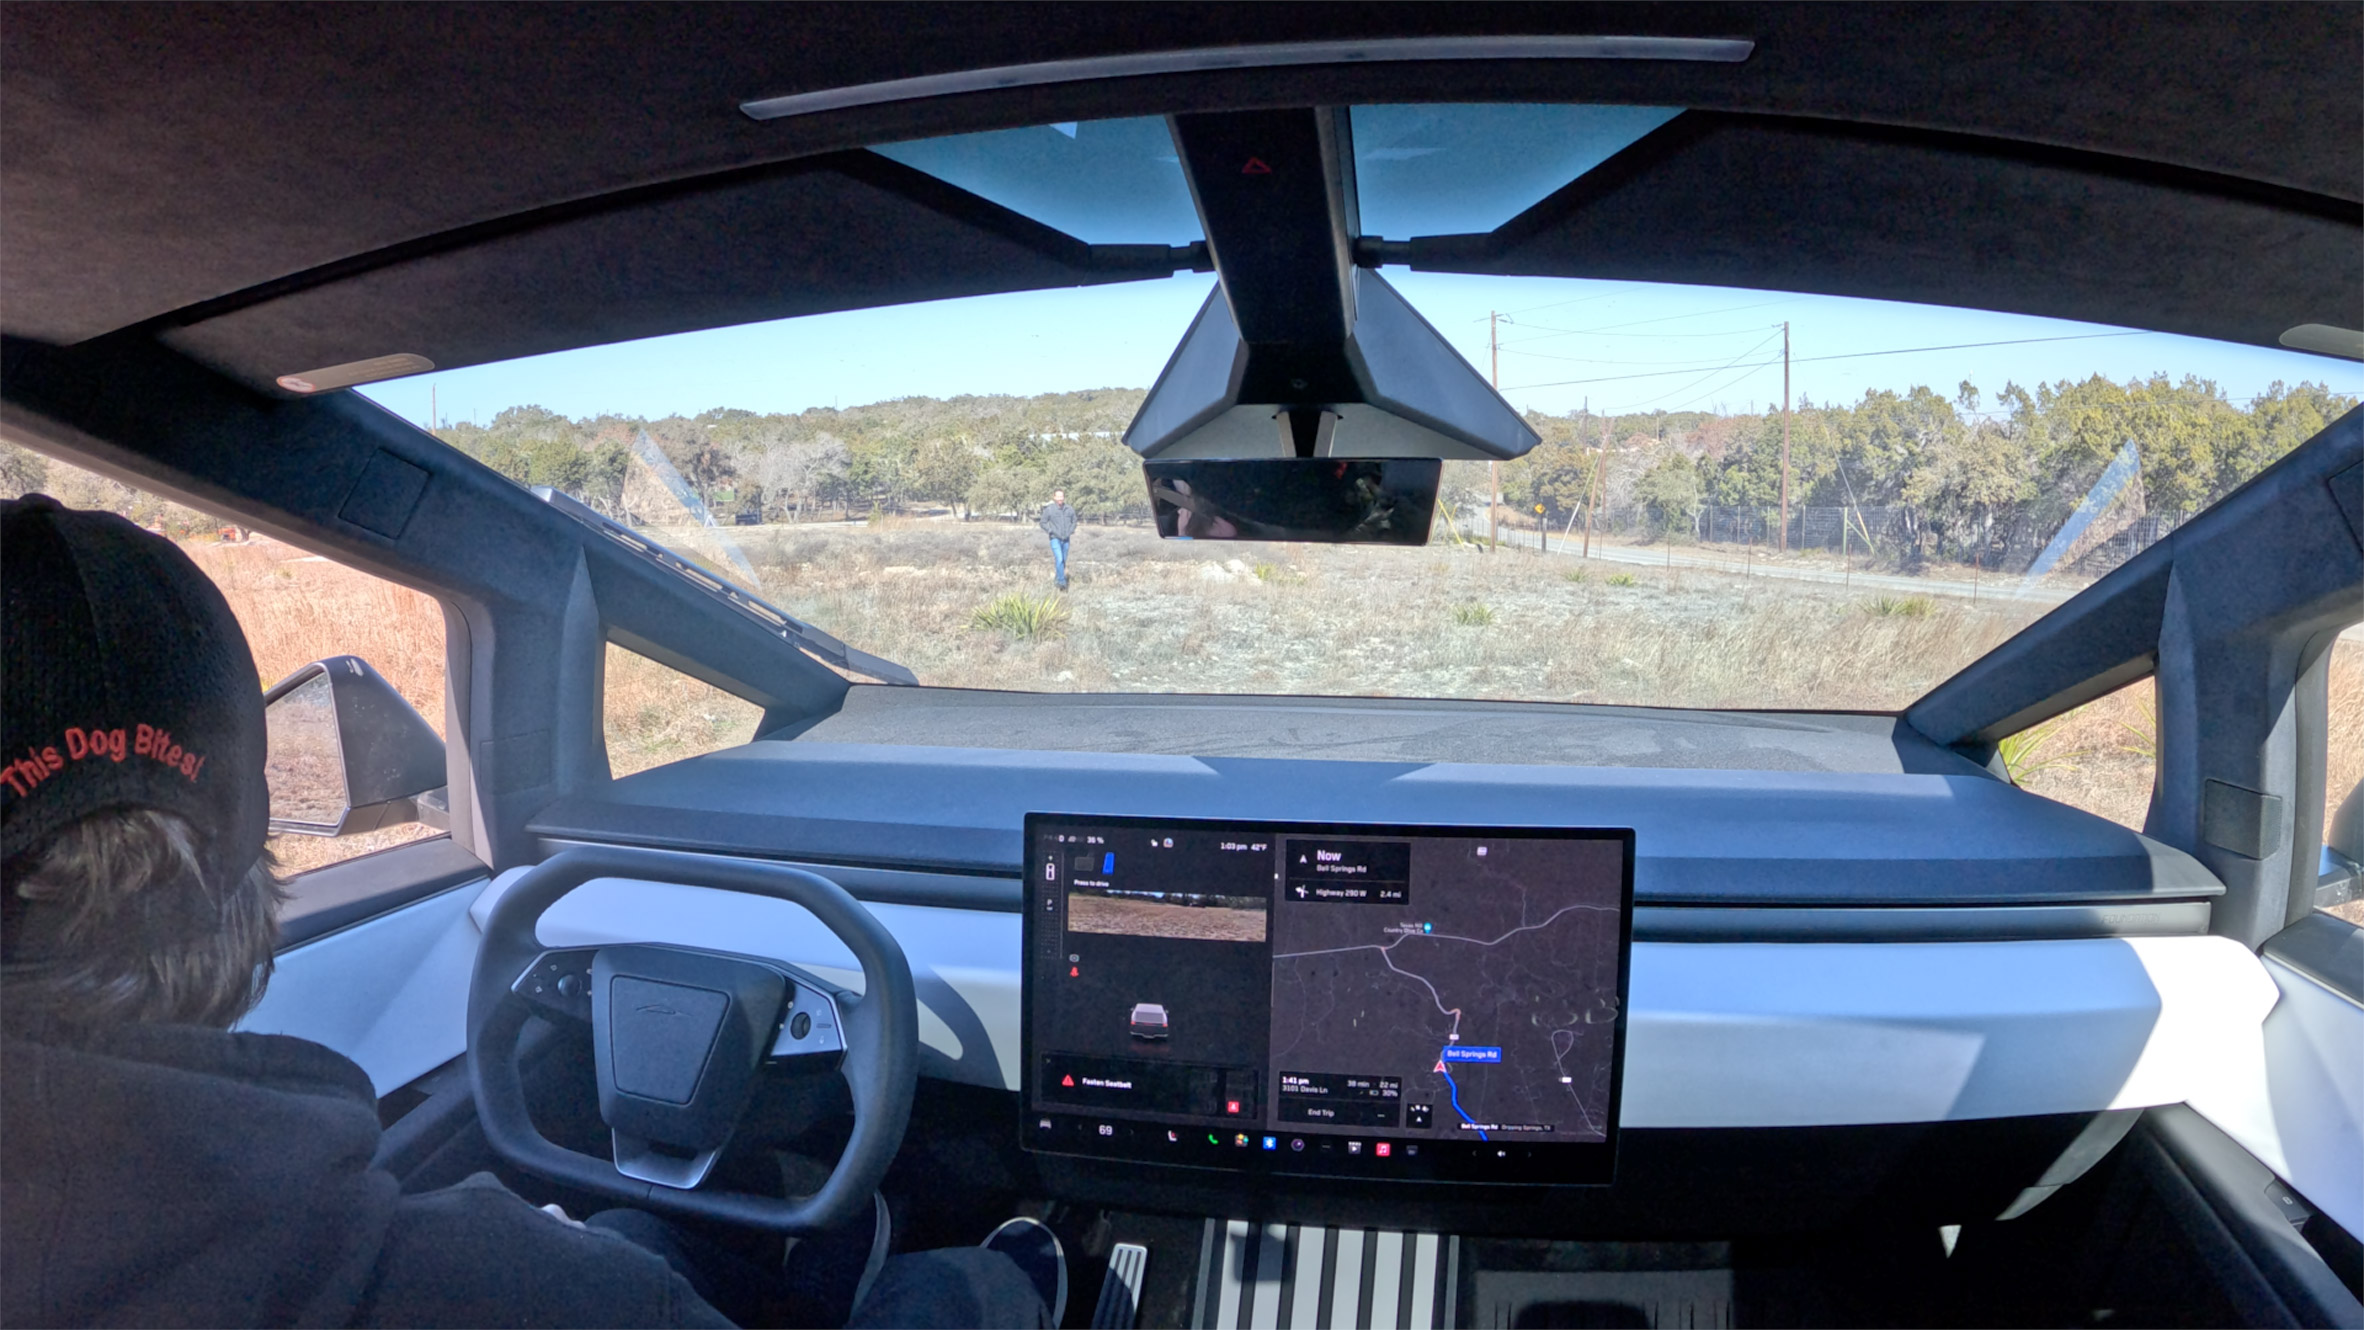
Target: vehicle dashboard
[1832, 958]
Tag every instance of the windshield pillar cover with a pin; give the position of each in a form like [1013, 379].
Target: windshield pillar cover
[1299, 352]
[1271, 189]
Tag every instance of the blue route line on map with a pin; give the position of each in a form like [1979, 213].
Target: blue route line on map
[1455, 1087]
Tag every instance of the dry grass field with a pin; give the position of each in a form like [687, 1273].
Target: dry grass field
[657, 715]
[297, 608]
[1135, 918]
[1151, 615]
[2100, 757]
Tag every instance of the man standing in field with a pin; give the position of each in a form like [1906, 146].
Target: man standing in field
[1058, 522]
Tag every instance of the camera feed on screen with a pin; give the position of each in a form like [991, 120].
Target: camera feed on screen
[1151, 900]
[1421, 1003]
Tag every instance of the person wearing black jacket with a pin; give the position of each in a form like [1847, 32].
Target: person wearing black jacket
[158, 1168]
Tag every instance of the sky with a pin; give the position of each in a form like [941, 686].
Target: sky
[1564, 343]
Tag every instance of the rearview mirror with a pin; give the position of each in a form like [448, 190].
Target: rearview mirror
[348, 754]
[1361, 500]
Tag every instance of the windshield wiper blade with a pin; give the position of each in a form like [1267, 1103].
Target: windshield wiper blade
[788, 628]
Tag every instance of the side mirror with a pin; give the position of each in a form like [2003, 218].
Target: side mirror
[348, 754]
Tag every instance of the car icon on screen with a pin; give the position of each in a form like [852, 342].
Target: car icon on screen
[1149, 1021]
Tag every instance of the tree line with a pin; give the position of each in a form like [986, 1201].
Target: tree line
[991, 455]
[1966, 477]
[1966, 474]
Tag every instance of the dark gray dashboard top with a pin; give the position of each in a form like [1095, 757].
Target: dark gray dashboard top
[1384, 730]
[1803, 810]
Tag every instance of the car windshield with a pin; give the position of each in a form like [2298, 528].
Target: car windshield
[1741, 498]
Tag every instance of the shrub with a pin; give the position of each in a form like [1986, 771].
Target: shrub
[1899, 607]
[1473, 615]
[2032, 750]
[1022, 616]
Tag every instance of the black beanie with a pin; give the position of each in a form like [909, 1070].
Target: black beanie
[129, 684]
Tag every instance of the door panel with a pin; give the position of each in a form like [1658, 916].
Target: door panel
[391, 993]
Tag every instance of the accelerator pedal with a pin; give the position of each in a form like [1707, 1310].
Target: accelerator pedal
[1120, 1293]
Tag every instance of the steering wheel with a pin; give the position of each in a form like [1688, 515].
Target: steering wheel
[679, 1034]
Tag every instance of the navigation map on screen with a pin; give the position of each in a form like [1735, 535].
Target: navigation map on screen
[1406, 1002]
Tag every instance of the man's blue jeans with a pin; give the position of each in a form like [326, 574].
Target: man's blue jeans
[1059, 560]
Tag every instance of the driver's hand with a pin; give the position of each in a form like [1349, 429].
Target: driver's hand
[558, 1212]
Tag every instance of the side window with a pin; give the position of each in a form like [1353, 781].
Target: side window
[299, 608]
[655, 714]
[2340, 888]
[2102, 757]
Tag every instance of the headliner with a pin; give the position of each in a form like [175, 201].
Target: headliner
[275, 188]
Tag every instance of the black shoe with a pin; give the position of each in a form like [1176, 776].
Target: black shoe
[1037, 1252]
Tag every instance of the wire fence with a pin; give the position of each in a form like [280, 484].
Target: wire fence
[1895, 534]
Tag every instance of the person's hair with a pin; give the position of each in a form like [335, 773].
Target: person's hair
[112, 923]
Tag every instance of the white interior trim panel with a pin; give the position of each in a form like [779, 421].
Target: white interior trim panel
[391, 993]
[1721, 1034]
[2295, 1098]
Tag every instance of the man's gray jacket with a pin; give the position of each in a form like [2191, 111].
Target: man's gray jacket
[1057, 521]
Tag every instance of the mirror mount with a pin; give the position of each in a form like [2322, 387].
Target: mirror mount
[1301, 351]
[1308, 401]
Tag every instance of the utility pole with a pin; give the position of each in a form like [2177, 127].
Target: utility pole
[433, 423]
[1785, 436]
[1592, 492]
[1493, 469]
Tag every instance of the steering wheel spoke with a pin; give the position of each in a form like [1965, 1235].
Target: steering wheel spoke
[680, 1035]
[812, 1037]
[558, 984]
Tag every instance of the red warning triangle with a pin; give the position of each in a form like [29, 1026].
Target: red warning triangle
[1068, 1081]
[1255, 166]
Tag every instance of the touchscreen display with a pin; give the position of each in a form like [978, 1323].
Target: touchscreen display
[1405, 1002]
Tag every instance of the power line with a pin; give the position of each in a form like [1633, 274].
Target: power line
[1508, 349]
[1557, 304]
[1725, 386]
[1711, 374]
[1727, 334]
[1633, 336]
[1670, 318]
[1851, 355]
[1746, 373]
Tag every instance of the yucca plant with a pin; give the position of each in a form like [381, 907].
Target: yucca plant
[1021, 616]
[2142, 740]
[1621, 579]
[1473, 615]
[2030, 751]
[1899, 607]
